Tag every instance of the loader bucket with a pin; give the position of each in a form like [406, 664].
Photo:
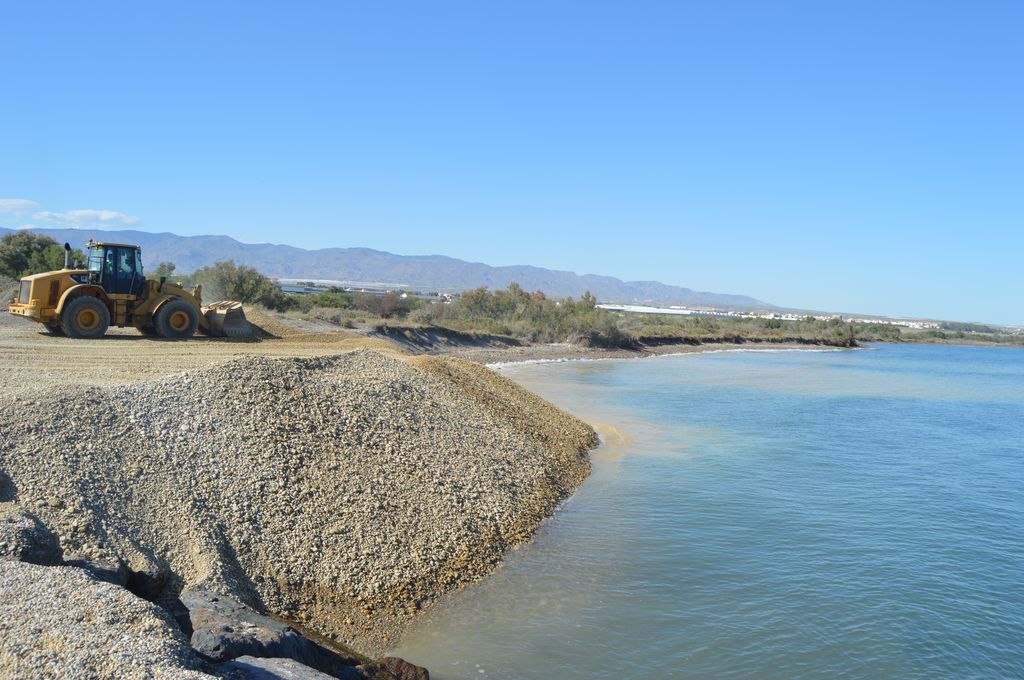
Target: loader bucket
[227, 319]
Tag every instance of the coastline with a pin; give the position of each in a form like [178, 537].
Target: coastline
[515, 457]
[492, 349]
[565, 352]
[453, 388]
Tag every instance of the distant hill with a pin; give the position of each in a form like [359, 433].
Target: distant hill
[433, 272]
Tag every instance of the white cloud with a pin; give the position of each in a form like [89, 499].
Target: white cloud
[15, 206]
[86, 218]
[22, 208]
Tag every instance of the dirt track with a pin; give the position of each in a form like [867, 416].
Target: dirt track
[33, 361]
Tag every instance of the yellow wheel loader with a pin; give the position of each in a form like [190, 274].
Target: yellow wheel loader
[112, 290]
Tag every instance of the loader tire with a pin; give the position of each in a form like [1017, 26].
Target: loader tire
[85, 318]
[176, 320]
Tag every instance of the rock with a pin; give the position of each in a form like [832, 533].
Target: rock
[224, 629]
[23, 538]
[6, 488]
[387, 668]
[60, 622]
[252, 668]
[147, 579]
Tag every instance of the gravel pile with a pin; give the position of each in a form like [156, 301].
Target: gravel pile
[342, 493]
[59, 622]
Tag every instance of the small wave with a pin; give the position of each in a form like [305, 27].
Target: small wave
[498, 365]
[761, 350]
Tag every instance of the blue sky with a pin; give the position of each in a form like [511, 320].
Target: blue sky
[860, 156]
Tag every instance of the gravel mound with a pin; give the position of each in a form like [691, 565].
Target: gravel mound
[59, 622]
[342, 493]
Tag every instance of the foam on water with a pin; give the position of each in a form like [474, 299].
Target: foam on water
[769, 515]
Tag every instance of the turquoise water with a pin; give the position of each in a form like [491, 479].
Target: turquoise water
[855, 514]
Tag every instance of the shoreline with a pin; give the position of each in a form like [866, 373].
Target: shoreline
[705, 349]
[558, 352]
[489, 349]
[495, 358]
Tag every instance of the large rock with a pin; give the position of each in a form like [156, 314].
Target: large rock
[224, 629]
[23, 538]
[387, 668]
[252, 668]
[60, 622]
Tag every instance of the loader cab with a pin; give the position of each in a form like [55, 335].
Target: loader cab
[116, 267]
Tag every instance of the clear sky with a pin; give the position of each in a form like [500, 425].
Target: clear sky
[857, 156]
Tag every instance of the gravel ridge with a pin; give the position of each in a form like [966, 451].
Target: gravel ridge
[341, 492]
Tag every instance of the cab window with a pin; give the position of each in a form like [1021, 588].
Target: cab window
[126, 261]
[96, 260]
[109, 261]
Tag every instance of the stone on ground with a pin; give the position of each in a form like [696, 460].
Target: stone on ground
[255, 668]
[61, 622]
[224, 629]
[23, 538]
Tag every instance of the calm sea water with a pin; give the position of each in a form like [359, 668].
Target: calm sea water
[768, 515]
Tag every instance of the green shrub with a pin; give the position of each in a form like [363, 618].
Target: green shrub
[384, 306]
[531, 317]
[8, 290]
[228, 281]
[23, 253]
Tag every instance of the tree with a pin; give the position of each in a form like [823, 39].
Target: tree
[23, 253]
[164, 269]
[476, 303]
[228, 281]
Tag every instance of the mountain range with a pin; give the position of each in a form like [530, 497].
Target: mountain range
[422, 272]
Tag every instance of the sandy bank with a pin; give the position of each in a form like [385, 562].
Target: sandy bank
[556, 352]
[342, 492]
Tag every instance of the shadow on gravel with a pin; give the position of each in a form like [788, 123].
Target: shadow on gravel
[8, 492]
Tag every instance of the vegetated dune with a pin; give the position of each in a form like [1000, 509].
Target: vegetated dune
[341, 492]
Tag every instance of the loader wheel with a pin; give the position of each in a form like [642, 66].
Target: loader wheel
[85, 317]
[176, 319]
